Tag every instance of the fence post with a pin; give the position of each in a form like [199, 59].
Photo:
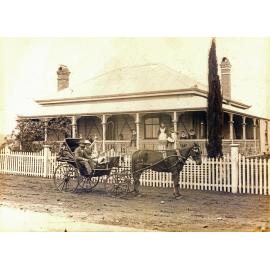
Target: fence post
[235, 166]
[5, 152]
[46, 160]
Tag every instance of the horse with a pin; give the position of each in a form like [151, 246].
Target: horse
[171, 161]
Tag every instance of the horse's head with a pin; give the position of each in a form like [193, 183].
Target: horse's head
[195, 153]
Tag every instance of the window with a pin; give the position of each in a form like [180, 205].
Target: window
[151, 126]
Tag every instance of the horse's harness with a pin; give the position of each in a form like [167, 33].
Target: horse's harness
[180, 159]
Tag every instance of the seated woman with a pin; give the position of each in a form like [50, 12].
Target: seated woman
[192, 134]
[183, 135]
[89, 148]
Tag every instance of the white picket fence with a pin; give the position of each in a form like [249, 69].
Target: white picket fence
[254, 175]
[237, 174]
[22, 163]
[40, 164]
[211, 175]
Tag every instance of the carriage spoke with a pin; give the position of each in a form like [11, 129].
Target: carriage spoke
[88, 183]
[65, 178]
[62, 188]
[65, 186]
[60, 184]
[82, 182]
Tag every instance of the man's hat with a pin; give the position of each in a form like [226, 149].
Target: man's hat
[87, 142]
[82, 142]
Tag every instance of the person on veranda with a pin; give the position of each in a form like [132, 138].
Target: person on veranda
[192, 134]
[162, 137]
[133, 139]
[171, 138]
[183, 135]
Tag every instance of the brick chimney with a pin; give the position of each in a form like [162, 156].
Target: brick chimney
[226, 77]
[62, 77]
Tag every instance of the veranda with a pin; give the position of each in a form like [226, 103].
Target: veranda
[115, 131]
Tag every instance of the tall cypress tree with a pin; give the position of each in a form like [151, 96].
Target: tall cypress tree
[214, 106]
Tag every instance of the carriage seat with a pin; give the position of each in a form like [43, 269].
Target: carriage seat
[101, 160]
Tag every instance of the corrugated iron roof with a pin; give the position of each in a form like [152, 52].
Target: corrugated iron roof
[131, 79]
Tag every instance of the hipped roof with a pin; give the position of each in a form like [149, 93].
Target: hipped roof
[152, 87]
[131, 79]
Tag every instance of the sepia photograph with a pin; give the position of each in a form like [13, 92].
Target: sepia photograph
[135, 134]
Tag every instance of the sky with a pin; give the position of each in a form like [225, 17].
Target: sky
[28, 66]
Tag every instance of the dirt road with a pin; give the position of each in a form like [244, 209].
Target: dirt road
[156, 210]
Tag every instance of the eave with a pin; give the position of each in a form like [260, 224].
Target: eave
[146, 94]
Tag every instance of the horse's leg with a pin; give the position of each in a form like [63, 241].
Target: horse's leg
[136, 184]
[176, 189]
[136, 178]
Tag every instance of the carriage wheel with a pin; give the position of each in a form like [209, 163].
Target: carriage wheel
[126, 180]
[120, 183]
[66, 178]
[88, 183]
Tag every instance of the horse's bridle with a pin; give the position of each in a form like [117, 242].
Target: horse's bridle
[195, 149]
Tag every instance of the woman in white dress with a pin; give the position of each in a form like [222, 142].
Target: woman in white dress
[162, 137]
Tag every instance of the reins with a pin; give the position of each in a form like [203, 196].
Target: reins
[183, 160]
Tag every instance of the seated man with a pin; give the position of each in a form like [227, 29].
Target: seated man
[83, 158]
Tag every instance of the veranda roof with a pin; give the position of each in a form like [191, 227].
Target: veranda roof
[132, 105]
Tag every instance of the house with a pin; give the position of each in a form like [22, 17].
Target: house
[111, 105]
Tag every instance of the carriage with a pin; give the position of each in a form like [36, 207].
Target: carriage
[71, 176]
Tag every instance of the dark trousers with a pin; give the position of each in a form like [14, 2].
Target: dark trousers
[88, 165]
